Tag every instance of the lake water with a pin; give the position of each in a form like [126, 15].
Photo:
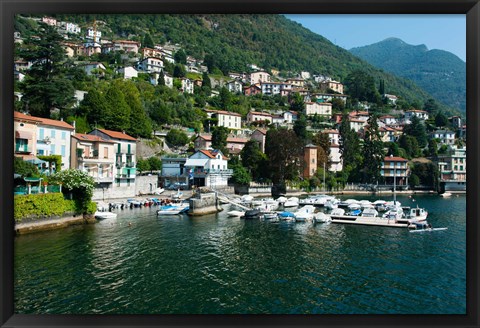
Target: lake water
[220, 265]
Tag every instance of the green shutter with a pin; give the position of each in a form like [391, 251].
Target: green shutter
[118, 151]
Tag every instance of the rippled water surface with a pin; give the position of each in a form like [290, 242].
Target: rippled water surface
[215, 264]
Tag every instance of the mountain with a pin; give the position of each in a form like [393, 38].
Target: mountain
[438, 72]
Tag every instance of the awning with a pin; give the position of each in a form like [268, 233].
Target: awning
[32, 179]
[36, 161]
[23, 135]
[196, 162]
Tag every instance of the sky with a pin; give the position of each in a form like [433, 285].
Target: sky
[444, 32]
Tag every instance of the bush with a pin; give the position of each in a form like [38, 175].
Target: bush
[79, 184]
[42, 205]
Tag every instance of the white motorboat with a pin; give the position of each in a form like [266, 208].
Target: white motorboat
[331, 204]
[305, 214]
[102, 215]
[369, 213]
[394, 213]
[291, 202]
[338, 212]
[281, 199]
[173, 209]
[236, 213]
[415, 214]
[271, 216]
[446, 194]
[158, 191]
[347, 202]
[321, 217]
[354, 206]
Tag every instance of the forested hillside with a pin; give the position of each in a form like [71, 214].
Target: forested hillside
[438, 72]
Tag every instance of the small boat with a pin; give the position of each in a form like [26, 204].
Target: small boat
[133, 203]
[236, 213]
[414, 215]
[291, 202]
[355, 212]
[369, 213]
[286, 216]
[321, 217]
[251, 214]
[305, 214]
[331, 204]
[281, 199]
[423, 227]
[354, 206]
[105, 215]
[337, 212]
[271, 216]
[158, 191]
[347, 202]
[172, 209]
[446, 194]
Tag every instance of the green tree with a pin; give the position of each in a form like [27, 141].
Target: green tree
[393, 149]
[118, 114]
[148, 41]
[176, 138]
[94, 107]
[297, 103]
[323, 152]
[361, 87]
[410, 145]
[441, 120]
[431, 106]
[180, 57]
[300, 128]
[155, 163]
[142, 165]
[349, 148]
[225, 99]
[45, 87]
[219, 139]
[161, 79]
[417, 130]
[240, 175]
[432, 148]
[284, 151]
[206, 83]
[24, 168]
[76, 183]
[179, 71]
[373, 152]
[253, 158]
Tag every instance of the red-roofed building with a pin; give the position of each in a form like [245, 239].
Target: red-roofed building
[42, 136]
[395, 168]
[125, 159]
[204, 141]
[227, 119]
[259, 116]
[208, 168]
[96, 156]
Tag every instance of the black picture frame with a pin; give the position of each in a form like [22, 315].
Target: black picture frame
[471, 8]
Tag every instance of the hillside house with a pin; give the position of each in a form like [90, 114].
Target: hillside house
[332, 85]
[453, 169]
[395, 168]
[235, 86]
[309, 161]
[25, 138]
[259, 77]
[298, 83]
[168, 79]
[252, 90]
[151, 52]
[187, 85]
[150, 65]
[323, 109]
[208, 168]
[97, 69]
[421, 114]
[260, 136]
[259, 116]
[446, 137]
[234, 144]
[226, 119]
[128, 72]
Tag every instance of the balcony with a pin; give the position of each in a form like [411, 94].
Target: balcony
[103, 179]
[204, 172]
[124, 176]
[130, 164]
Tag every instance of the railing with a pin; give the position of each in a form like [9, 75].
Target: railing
[130, 164]
[213, 171]
[25, 190]
[124, 176]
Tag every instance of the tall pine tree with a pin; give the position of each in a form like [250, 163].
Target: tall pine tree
[373, 152]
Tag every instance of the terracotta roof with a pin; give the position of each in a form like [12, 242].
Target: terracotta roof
[21, 116]
[331, 131]
[260, 113]
[117, 135]
[224, 112]
[394, 159]
[127, 41]
[60, 124]
[416, 111]
[262, 131]
[211, 153]
[229, 139]
[91, 137]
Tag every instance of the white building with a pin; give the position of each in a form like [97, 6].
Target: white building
[453, 170]
[94, 34]
[235, 86]
[187, 85]
[226, 119]
[209, 168]
[68, 27]
[125, 159]
[168, 79]
[421, 114]
[446, 137]
[259, 77]
[259, 116]
[128, 72]
[94, 69]
[53, 138]
[150, 65]
[312, 108]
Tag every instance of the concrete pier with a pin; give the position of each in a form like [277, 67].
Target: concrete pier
[204, 203]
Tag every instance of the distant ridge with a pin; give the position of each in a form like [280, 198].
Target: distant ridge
[439, 72]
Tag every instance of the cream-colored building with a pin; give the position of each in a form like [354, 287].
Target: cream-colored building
[312, 108]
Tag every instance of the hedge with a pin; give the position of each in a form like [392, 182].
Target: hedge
[45, 205]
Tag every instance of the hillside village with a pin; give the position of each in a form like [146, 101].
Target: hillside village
[218, 143]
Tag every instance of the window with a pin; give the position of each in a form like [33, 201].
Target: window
[52, 149]
[21, 145]
[391, 172]
[64, 135]
[52, 133]
[63, 150]
[313, 160]
[105, 152]
[41, 134]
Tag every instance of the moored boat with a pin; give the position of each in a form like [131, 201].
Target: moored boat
[236, 213]
[173, 209]
[102, 215]
[321, 217]
[291, 202]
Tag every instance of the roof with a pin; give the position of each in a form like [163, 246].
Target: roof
[212, 153]
[117, 135]
[394, 159]
[208, 137]
[91, 137]
[196, 161]
[262, 131]
[223, 112]
[60, 124]
[23, 117]
[416, 111]
[127, 41]
[260, 113]
[331, 131]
